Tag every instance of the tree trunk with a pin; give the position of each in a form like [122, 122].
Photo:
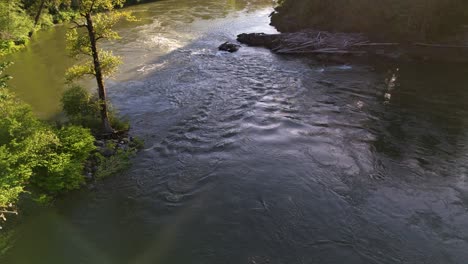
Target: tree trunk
[38, 16]
[106, 126]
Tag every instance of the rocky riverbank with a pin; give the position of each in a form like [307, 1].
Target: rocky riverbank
[392, 29]
[111, 156]
[344, 46]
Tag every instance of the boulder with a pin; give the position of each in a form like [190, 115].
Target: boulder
[230, 47]
[259, 39]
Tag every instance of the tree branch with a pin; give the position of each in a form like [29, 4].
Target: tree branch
[92, 6]
[8, 212]
[78, 25]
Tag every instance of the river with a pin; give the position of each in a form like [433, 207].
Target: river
[256, 158]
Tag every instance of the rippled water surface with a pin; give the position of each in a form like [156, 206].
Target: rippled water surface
[257, 158]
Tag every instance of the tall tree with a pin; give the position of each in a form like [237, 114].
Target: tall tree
[97, 18]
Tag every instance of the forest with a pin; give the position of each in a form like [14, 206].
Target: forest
[41, 158]
[19, 19]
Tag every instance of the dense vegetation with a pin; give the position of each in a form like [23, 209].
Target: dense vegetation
[45, 159]
[20, 18]
[415, 20]
[15, 25]
[37, 155]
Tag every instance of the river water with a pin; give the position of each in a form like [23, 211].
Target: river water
[258, 158]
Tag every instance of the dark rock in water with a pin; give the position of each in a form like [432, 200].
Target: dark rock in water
[259, 39]
[226, 46]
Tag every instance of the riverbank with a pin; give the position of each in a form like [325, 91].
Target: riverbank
[342, 47]
[397, 30]
[21, 19]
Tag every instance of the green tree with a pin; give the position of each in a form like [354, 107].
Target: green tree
[15, 25]
[40, 6]
[97, 18]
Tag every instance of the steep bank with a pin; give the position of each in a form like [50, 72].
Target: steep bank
[417, 30]
[388, 20]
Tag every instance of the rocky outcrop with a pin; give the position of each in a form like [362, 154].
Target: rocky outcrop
[342, 46]
[260, 39]
[229, 47]
[399, 29]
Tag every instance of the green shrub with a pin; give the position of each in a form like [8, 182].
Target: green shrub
[82, 108]
[137, 143]
[46, 21]
[64, 15]
[15, 24]
[3, 77]
[62, 168]
[32, 152]
[118, 162]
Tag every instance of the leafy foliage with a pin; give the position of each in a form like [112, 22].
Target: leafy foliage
[99, 63]
[4, 78]
[78, 44]
[82, 109]
[15, 25]
[32, 152]
[109, 64]
[61, 169]
[45, 12]
[99, 5]
[14, 22]
[114, 164]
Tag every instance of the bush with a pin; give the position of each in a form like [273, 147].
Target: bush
[64, 15]
[46, 21]
[118, 162]
[15, 24]
[32, 152]
[82, 108]
[62, 168]
[4, 78]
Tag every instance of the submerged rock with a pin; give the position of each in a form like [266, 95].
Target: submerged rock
[230, 47]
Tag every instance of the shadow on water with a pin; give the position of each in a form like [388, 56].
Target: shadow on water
[423, 123]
